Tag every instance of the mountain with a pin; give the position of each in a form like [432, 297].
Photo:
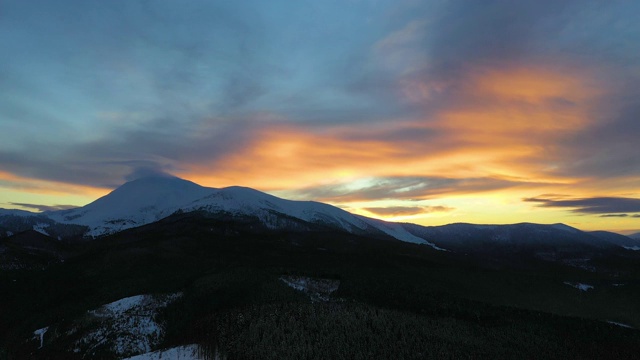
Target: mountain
[635, 236]
[275, 212]
[150, 199]
[548, 242]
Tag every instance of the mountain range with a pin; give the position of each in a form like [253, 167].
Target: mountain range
[150, 199]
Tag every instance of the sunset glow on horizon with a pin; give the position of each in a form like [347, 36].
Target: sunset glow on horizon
[429, 112]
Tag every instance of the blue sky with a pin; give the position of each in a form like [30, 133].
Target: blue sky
[422, 111]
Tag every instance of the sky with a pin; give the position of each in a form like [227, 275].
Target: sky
[423, 111]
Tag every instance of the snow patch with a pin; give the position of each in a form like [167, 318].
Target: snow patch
[9, 233]
[634, 248]
[126, 326]
[397, 231]
[316, 289]
[186, 352]
[39, 334]
[621, 324]
[40, 227]
[579, 286]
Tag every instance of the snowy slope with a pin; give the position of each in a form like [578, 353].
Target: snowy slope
[245, 201]
[126, 326]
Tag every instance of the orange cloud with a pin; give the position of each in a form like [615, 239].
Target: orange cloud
[292, 158]
[535, 85]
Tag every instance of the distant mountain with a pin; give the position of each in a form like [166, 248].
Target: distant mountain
[549, 242]
[17, 221]
[635, 236]
[150, 199]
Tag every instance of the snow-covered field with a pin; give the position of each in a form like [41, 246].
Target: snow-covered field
[41, 228]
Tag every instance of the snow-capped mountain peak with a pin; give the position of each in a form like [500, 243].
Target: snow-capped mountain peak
[135, 203]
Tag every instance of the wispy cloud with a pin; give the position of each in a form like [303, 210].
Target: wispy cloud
[402, 188]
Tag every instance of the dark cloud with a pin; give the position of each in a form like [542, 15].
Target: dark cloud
[407, 210]
[494, 30]
[608, 148]
[596, 205]
[42, 208]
